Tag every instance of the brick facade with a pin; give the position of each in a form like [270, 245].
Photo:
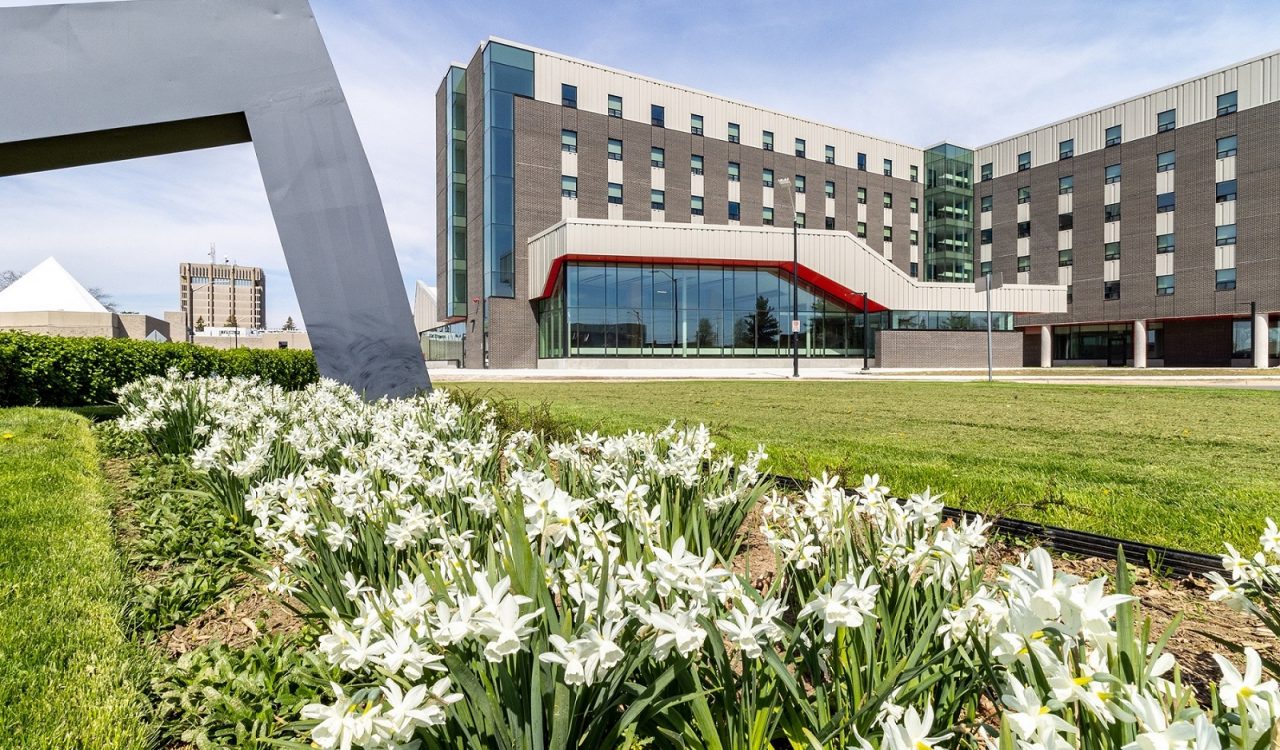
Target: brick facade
[958, 349]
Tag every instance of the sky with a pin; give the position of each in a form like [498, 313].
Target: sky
[913, 72]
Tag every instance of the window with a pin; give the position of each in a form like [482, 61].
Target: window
[1024, 229]
[1024, 161]
[1065, 222]
[569, 141]
[888, 200]
[657, 115]
[1226, 103]
[615, 149]
[984, 237]
[915, 269]
[615, 105]
[799, 220]
[831, 154]
[1069, 295]
[1067, 149]
[1064, 257]
[862, 196]
[1024, 195]
[800, 147]
[766, 139]
[1112, 174]
[735, 133]
[914, 237]
[735, 172]
[913, 205]
[830, 222]
[862, 162]
[1164, 203]
[658, 200]
[888, 167]
[1111, 251]
[1164, 286]
[1066, 184]
[735, 211]
[767, 178]
[986, 172]
[767, 217]
[1166, 120]
[1225, 279]
[888, 234]
[657, 157]
[1165, 161]
[984, 268]
[568, 96]
[984, 203]
[695, 124]
[1024, 263]
[695, 205]
[695, 163]
[1226, 146]
[1111, 212]
[915, 173]
[1164, 243]
[799, 183]
[831, 189]
[1113, 135]
[862, 229]
[568, 186]
[1225, 235]
[1111, 290]
[615, 193]
[1226, 191]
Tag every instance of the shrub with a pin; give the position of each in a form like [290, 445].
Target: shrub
[59, 371]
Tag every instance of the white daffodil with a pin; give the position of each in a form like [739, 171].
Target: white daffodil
[1248, 687]
[913, 732]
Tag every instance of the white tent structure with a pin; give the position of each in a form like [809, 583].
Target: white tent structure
[48, 288]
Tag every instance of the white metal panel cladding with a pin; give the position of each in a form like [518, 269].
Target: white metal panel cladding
[838, 256]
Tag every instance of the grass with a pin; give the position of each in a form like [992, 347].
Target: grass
[68, 674]
[1187, 468]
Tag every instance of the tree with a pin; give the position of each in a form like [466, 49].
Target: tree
[706, 334]
[759, 328]
[7, 278]
[231, 322]
[288, 324]
[199, 326]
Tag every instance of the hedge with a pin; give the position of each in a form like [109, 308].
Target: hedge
[45, 370]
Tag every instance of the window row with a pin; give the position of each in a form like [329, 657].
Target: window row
[1224, 192]
[1223, 235]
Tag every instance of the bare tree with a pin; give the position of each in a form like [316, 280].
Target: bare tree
[7, 278]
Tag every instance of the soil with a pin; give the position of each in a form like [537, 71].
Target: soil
[243, 616]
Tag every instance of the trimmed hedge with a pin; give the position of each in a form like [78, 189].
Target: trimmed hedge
[42, 370]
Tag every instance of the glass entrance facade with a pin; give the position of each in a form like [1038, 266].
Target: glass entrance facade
[948, 214]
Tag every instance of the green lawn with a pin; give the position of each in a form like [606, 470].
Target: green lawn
[66, 668]
[1182, 467]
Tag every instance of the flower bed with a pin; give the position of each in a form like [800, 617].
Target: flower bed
[486, 587]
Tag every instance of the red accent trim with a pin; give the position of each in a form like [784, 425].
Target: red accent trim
[806, 274]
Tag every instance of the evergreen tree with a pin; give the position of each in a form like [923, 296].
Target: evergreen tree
[231, 322]
[760, 327]
[706, 334]
[288, 324]
[199, 325]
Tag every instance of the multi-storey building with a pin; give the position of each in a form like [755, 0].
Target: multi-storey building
[222, 295]
[586, 212]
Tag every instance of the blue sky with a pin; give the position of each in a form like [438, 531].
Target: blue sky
[914, 72]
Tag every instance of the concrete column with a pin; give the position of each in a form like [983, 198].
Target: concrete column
[1139, 343]
[1046, 346]
[1261, 356]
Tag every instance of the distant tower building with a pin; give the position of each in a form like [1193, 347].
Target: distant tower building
[222, 292]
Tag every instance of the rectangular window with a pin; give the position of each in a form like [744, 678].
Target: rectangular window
[1024, 195]
[695, 205]
[695, 124]
[1024, 161]
[888, 234]
[735, 133]
[1113, 135]
[658, 200]
[800, 147]
[1024, 263]
[615, 149]
[1164, 243]
[695, 163]
[862, 229]
[888, 200]
[568, 96]
[1066, 184]
[799, 220]
[1226, 146]
[984, 203]
[915, 270]
[984, 268]
[569, 141]
[986, 172]
[1164, 286]
[888, 167]
[830, 222]
[767, 178]
[862, 162]
[1226, 103]
[735, 211]
[1226, 191]
[1065, 222]
[1225, 235]
[1111, 290]
[913, 205]
[1165, 161]
[830, 154]
[1111, 251]
[984, 236]
[1064, 257]
[1111, 212]
[1024, 229]
[568, 186]
[615, 105]
[862, 196]
[767, 217]
[735, 172]
[657, 157]
[915, 173]
[657, 115]
[914, 237]
[1166, 120]
[1069, 293]
[831, 189]
[766, 139]
[1112, 174]
[1067, 149]
[1225, 279]
[799, 183]
[615, 193]
[1164, 203]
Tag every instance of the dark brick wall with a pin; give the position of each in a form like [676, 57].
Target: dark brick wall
[948, 349]
[1197, 343]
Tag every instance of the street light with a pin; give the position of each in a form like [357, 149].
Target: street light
[789, 190]
[675, 310]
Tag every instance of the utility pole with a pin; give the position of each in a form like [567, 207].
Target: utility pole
[989, 378]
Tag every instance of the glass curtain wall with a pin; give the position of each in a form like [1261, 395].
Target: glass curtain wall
[948, 214]
[508, 73]
[456, 196]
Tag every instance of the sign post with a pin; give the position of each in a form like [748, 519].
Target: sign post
[988, 282]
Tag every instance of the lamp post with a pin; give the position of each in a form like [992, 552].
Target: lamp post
[675, 309]
[789, 189]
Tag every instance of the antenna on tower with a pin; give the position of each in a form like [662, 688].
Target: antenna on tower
[213, 253]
